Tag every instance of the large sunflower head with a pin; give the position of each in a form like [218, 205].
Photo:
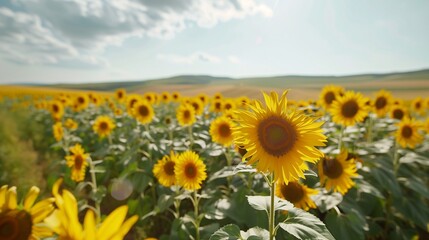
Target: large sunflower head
[398, 112]
[103, 125]
[408, 133]
[24, 221]
[58, 131]
[336, 172]
[185, 115]
[221, 131]
[57, 109]
[382, 102]
[190, 171]
[329, 94]
[120, 94]
[418, 106]
[349, 109]
[81, 102]
[296, 193]
[277, 140]
[164, 170]
[77, 161]
[143, 112]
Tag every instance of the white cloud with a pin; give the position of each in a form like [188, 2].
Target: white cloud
[54, 32]
[190, 59]
[234, 59]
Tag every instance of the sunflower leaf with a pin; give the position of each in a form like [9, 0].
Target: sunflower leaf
[255, 233]
[227, 232]
[264, 202]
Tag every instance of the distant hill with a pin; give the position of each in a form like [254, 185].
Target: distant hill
[402, 84]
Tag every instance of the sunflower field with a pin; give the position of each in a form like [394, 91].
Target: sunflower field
[165, 166]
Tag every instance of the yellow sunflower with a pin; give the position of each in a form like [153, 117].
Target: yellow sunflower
[221, 131]
[175, 96]
[426, 125]
[349, 109]
[296, 193]
[228, 105]
[77, 161]
[329, 94]
[336, 172]
[398, 112]
[277, 140]
[185, 115]
[218, 95]
[103, 125]
[120, 94]
[408, 133]
[150, 97]
[65, 220]
[165, 97]
[24, 221]
[216, 106]
[143, 112]
[190, 171]
[204, 98]
[57, 110]
[58, 131]
[417, 105]
[132, 99]
[164, 170]
[70, 124]
[243, 101]
[382, 102]
[81, 102]
[198, 105]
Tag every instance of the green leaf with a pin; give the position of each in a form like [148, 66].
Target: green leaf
[345, 226]
[325, 201]
[304, 225]
[164, 202]
[228, 232]
[264, 202]
[413, 209]
[243, 167]
[255, 233]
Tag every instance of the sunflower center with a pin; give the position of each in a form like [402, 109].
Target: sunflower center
[381, 102]
[80, 100]
[167, 121]
[217, 106]
[104, 126]
[276, 135]
[398, 114]
[120, 94]
[329, 97]
[132, 102]
[15, 224]
[190, 170]
[407, 131]
[224, 130]
[78, 162]
[418, 105]
[143, 111]
[175, 96]
[228, 106]
[292, 192]
[196, 106]
[332, 168]
[169, 168]
[186, 114]
[55, 108]
[349, 109]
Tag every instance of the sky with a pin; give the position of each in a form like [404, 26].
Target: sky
[73, 41]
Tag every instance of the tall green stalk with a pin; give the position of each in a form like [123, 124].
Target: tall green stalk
[271, 218]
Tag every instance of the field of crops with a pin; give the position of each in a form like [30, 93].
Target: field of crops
[165, 166]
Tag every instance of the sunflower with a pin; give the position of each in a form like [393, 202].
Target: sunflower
[349, 109]
[175, 96]
[81, 102]
[165, 97]
[164, 170]
[120, 94]
[278, 141]
[203, 97]
[398, 112]
[185, 115]
[143, 112]
[243, 101]
[24, 221]
[132, 99]
[103, 126]
[382, 102]
[218, 95]
[58, 131]
[150, 97]
[228, 105]
[216, 106]
[296, 193]
[408, 133]
[221, 131]
[78, 162]
[417, 105]
[57, 110]
[198, 105]
[70, 124]
[329, 94]
[190, 171]
[336, 172]
[65, 220]
[426, 125]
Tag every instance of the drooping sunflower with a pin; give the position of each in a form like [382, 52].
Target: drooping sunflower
[417, 105]
[77, 161]
[329, 94]
[65, 221]
[349, 109]
[71, 124]
[57, 110]
[296, 193]
[24, 221]
[143, 112]
[398, 112]
[277, 140]
[408, 133]
[164, 170]
[336, 172]
[221, 131]
[185, 115]
[120, 94]
[382, 102]
[103, 125]
[190, 170]
[58, 131]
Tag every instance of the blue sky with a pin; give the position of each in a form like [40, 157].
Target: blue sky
[51, 41]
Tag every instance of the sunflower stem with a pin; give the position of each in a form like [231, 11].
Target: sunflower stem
[340, 138]
[94, 185]
[369, 129]
[271, 218]
[197, 218]
[191, 137]
[395, 157]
